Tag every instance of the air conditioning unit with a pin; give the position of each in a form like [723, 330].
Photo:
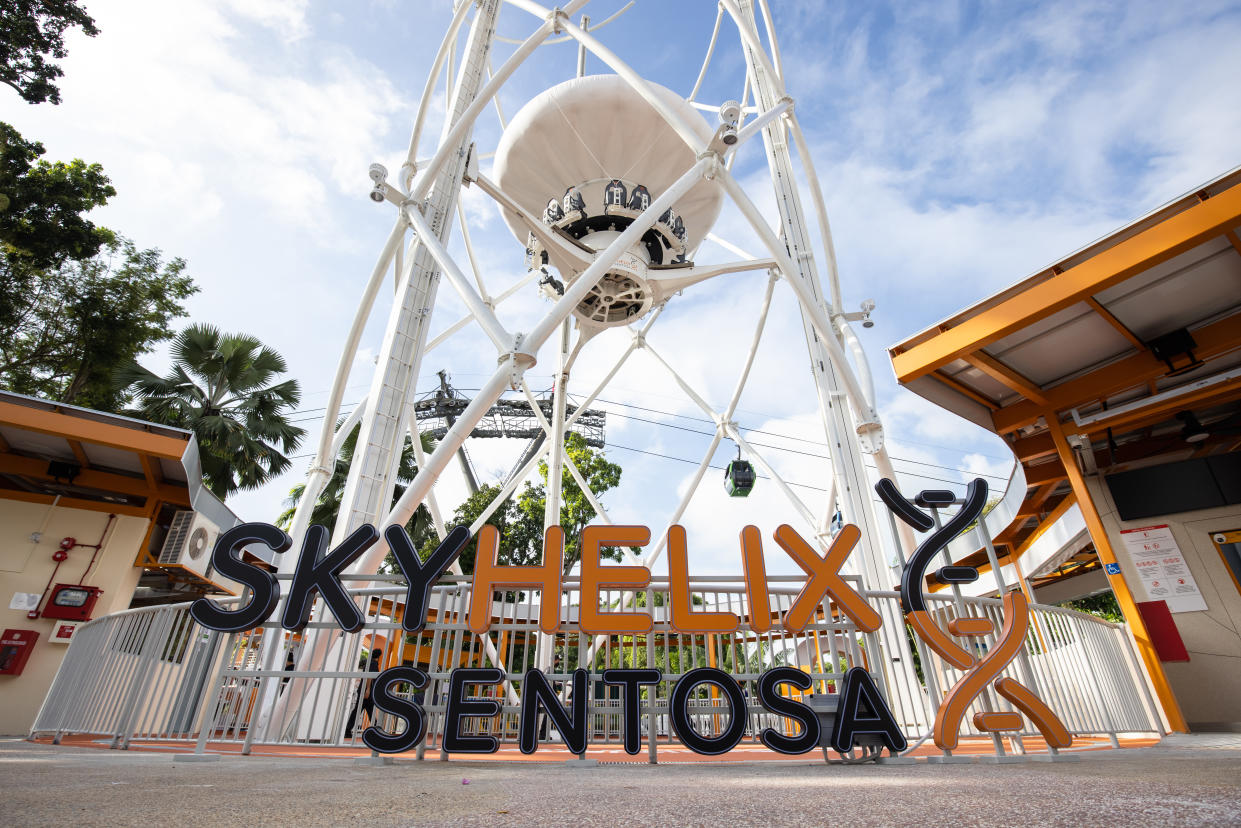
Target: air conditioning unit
[191, 537]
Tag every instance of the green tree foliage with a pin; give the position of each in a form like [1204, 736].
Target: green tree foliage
[31, 32]
[502, 518]
[327, 507]
[576, 513]
[77, 302]
[520, 521]
[223, 387]
[41, 203]
[1103, 605]
[65, 330]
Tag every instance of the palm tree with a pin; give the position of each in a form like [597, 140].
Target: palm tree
[222, 388]
[327, 507]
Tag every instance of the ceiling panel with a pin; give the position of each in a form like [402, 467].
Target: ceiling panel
[1060, 345]
[1208, 287]
[106, 457]
[35, 444]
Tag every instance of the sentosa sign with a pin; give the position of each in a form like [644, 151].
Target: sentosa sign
[863, 709]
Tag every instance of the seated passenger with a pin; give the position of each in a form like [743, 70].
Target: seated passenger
[553, 213]
[614, 194]
[640, 199]
[573, 201]
[678, 229]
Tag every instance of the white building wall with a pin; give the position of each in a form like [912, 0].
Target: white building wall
[1208, 686]
[26, 566]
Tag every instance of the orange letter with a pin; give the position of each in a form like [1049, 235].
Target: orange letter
[684, 619]
[594, 576]
[490, 576]
[825, 580]
[755, 579]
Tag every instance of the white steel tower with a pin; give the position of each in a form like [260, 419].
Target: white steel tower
[612, 184]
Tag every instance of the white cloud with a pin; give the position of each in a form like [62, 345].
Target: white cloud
[201, 91]
[959, 148]
[286, 17]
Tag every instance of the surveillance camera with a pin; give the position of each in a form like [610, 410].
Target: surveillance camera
[377, 194]
[868, 305]
[730, 113]
[378, 174]
[1221, 538]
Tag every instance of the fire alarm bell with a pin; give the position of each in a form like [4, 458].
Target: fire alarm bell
[62, 632]
[72, 602]
[15, 649]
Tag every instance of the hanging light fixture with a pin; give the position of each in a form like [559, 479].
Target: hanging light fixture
[1192, 431]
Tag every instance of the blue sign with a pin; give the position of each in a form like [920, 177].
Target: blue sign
[1112, 568]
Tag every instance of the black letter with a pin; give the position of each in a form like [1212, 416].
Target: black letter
[912, 598]
[859, 688]
[679, 708]
[629, 680]
[262, 583]
[537, 690]
[460, 708]
[409, 711]
[422, 576]
[769, 696]
[317, 573]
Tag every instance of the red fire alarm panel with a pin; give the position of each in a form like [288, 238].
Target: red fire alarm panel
[72, 602]
[62, 632]
[15, 649]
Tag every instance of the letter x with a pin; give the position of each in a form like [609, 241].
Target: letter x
[825, 580]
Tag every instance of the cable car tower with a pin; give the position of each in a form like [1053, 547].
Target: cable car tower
[611, 184]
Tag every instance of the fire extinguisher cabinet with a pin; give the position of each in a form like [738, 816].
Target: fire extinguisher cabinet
[15, 649]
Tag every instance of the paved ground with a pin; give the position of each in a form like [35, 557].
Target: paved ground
[1188, 781]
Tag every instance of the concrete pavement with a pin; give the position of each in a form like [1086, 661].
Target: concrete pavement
[1188, 781]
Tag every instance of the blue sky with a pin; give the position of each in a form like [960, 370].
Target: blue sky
[961, 147]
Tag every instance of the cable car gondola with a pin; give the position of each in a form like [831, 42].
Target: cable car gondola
[739, 477]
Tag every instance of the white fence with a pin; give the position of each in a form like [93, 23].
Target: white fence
[155, 675]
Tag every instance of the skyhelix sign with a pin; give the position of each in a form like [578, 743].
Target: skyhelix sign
[863, 711]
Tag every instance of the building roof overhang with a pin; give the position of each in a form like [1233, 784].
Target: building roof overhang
[1114, 343]
[79, 458]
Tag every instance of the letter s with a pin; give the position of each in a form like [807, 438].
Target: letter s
[227, 561]
[415, 720]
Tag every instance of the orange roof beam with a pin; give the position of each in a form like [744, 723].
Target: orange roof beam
[1006, 376]
[1117, 581]
[36, 469]
[1215, 339]
[1032, 506]
[1159, 411]
[1231, 235]
[1033, 448]
[1156, 244]
[92, 431]
[78, 503]
[150, 470]
[1051, 472]
[79, 453]
[1116, 324]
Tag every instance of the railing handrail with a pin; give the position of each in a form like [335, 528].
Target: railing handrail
[718, 584]
[153, 673]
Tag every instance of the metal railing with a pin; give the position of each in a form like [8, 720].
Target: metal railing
[154, 675]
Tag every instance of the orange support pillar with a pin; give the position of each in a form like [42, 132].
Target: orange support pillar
[1128, 607]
